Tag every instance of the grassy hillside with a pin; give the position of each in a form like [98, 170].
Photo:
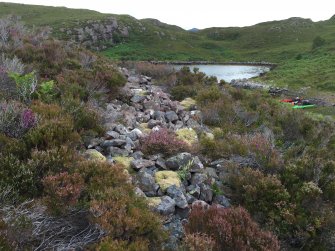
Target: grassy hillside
[286, 42]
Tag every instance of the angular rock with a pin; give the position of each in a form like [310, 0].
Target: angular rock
[198, 178]
[112, 135]
[113, 142]
[177, 194]
[197, 165]
[147, 184]
[163, 205]
[159, 115]
[160, 163]
[137, 155]
[152, 123]
[115, 152]
[206, 193]
[178, 161]
[135, 134]
[137, 98]
[171, 116]
[200, 203]
[138, 164]
[222, 200]
[190, 199]
[194, 190]
[93, 143]
[139, 192]
[121, 129]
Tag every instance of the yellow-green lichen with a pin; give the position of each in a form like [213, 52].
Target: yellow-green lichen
[144, 128]
[125, 161]
[154, 201]
[188, 103]
[93, 154]
[166, 179]
[188, 135]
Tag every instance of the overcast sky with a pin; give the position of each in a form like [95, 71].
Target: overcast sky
[202, 14]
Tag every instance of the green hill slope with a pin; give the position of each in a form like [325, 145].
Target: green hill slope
[287, 42]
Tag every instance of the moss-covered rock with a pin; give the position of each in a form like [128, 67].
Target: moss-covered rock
[165, 179]
[93, 154]
[154, 201]
[144, 128]
[188, 135]
[188, 103]
[124, 161]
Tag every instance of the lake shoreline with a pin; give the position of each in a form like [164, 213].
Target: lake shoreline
[267, 64]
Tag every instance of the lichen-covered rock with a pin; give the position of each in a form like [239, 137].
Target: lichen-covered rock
[163, 205]
[146, 183]
[165, 179]
[171, 116]
[125, 161]
[189, 103]
[138, 164]
[93, 154]
[178, 161]
[177, 194]
[188, 135]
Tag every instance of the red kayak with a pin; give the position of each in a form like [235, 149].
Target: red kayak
[289, 100]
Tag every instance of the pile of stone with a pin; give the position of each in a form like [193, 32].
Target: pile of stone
[171, 184]
[248, 84]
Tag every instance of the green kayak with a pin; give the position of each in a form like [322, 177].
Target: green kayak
[303, 106]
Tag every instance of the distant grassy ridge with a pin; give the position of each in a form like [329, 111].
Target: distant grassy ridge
[287, 43]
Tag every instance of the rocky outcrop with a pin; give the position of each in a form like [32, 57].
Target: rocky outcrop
[96, 34]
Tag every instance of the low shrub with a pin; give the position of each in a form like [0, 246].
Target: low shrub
[198, 242]
[17, 176]
[264, 196]
[180, 92]
[62, 190]
[52, 133]
[162, 141]
[116, 208]
[230, 228]
[15, 119]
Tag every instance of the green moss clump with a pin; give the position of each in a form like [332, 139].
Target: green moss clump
[165, 179]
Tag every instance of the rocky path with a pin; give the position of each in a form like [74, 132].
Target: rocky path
[171, 185]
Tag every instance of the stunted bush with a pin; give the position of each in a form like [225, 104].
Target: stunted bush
[16, 119]
[198, 242]
[264, 196]
[231, 229]
[162, 141]
[62, 190]
[13, 65]
[116, 208]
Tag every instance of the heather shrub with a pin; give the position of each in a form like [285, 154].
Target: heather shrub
[17, 176]
[162, 141]
[116, 208]
[264, 196]
[15, 119]
[11, 65]
[198, 242]
[52, 133]
[62, 190]
[180, 92]
[231, 229]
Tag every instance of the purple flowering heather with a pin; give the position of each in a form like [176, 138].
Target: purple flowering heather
[28, 119]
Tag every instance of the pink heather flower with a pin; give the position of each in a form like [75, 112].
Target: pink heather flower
[28, 118]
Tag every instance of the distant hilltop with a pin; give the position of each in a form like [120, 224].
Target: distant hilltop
[194, 30]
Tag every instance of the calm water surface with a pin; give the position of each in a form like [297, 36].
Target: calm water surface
[229, 72]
